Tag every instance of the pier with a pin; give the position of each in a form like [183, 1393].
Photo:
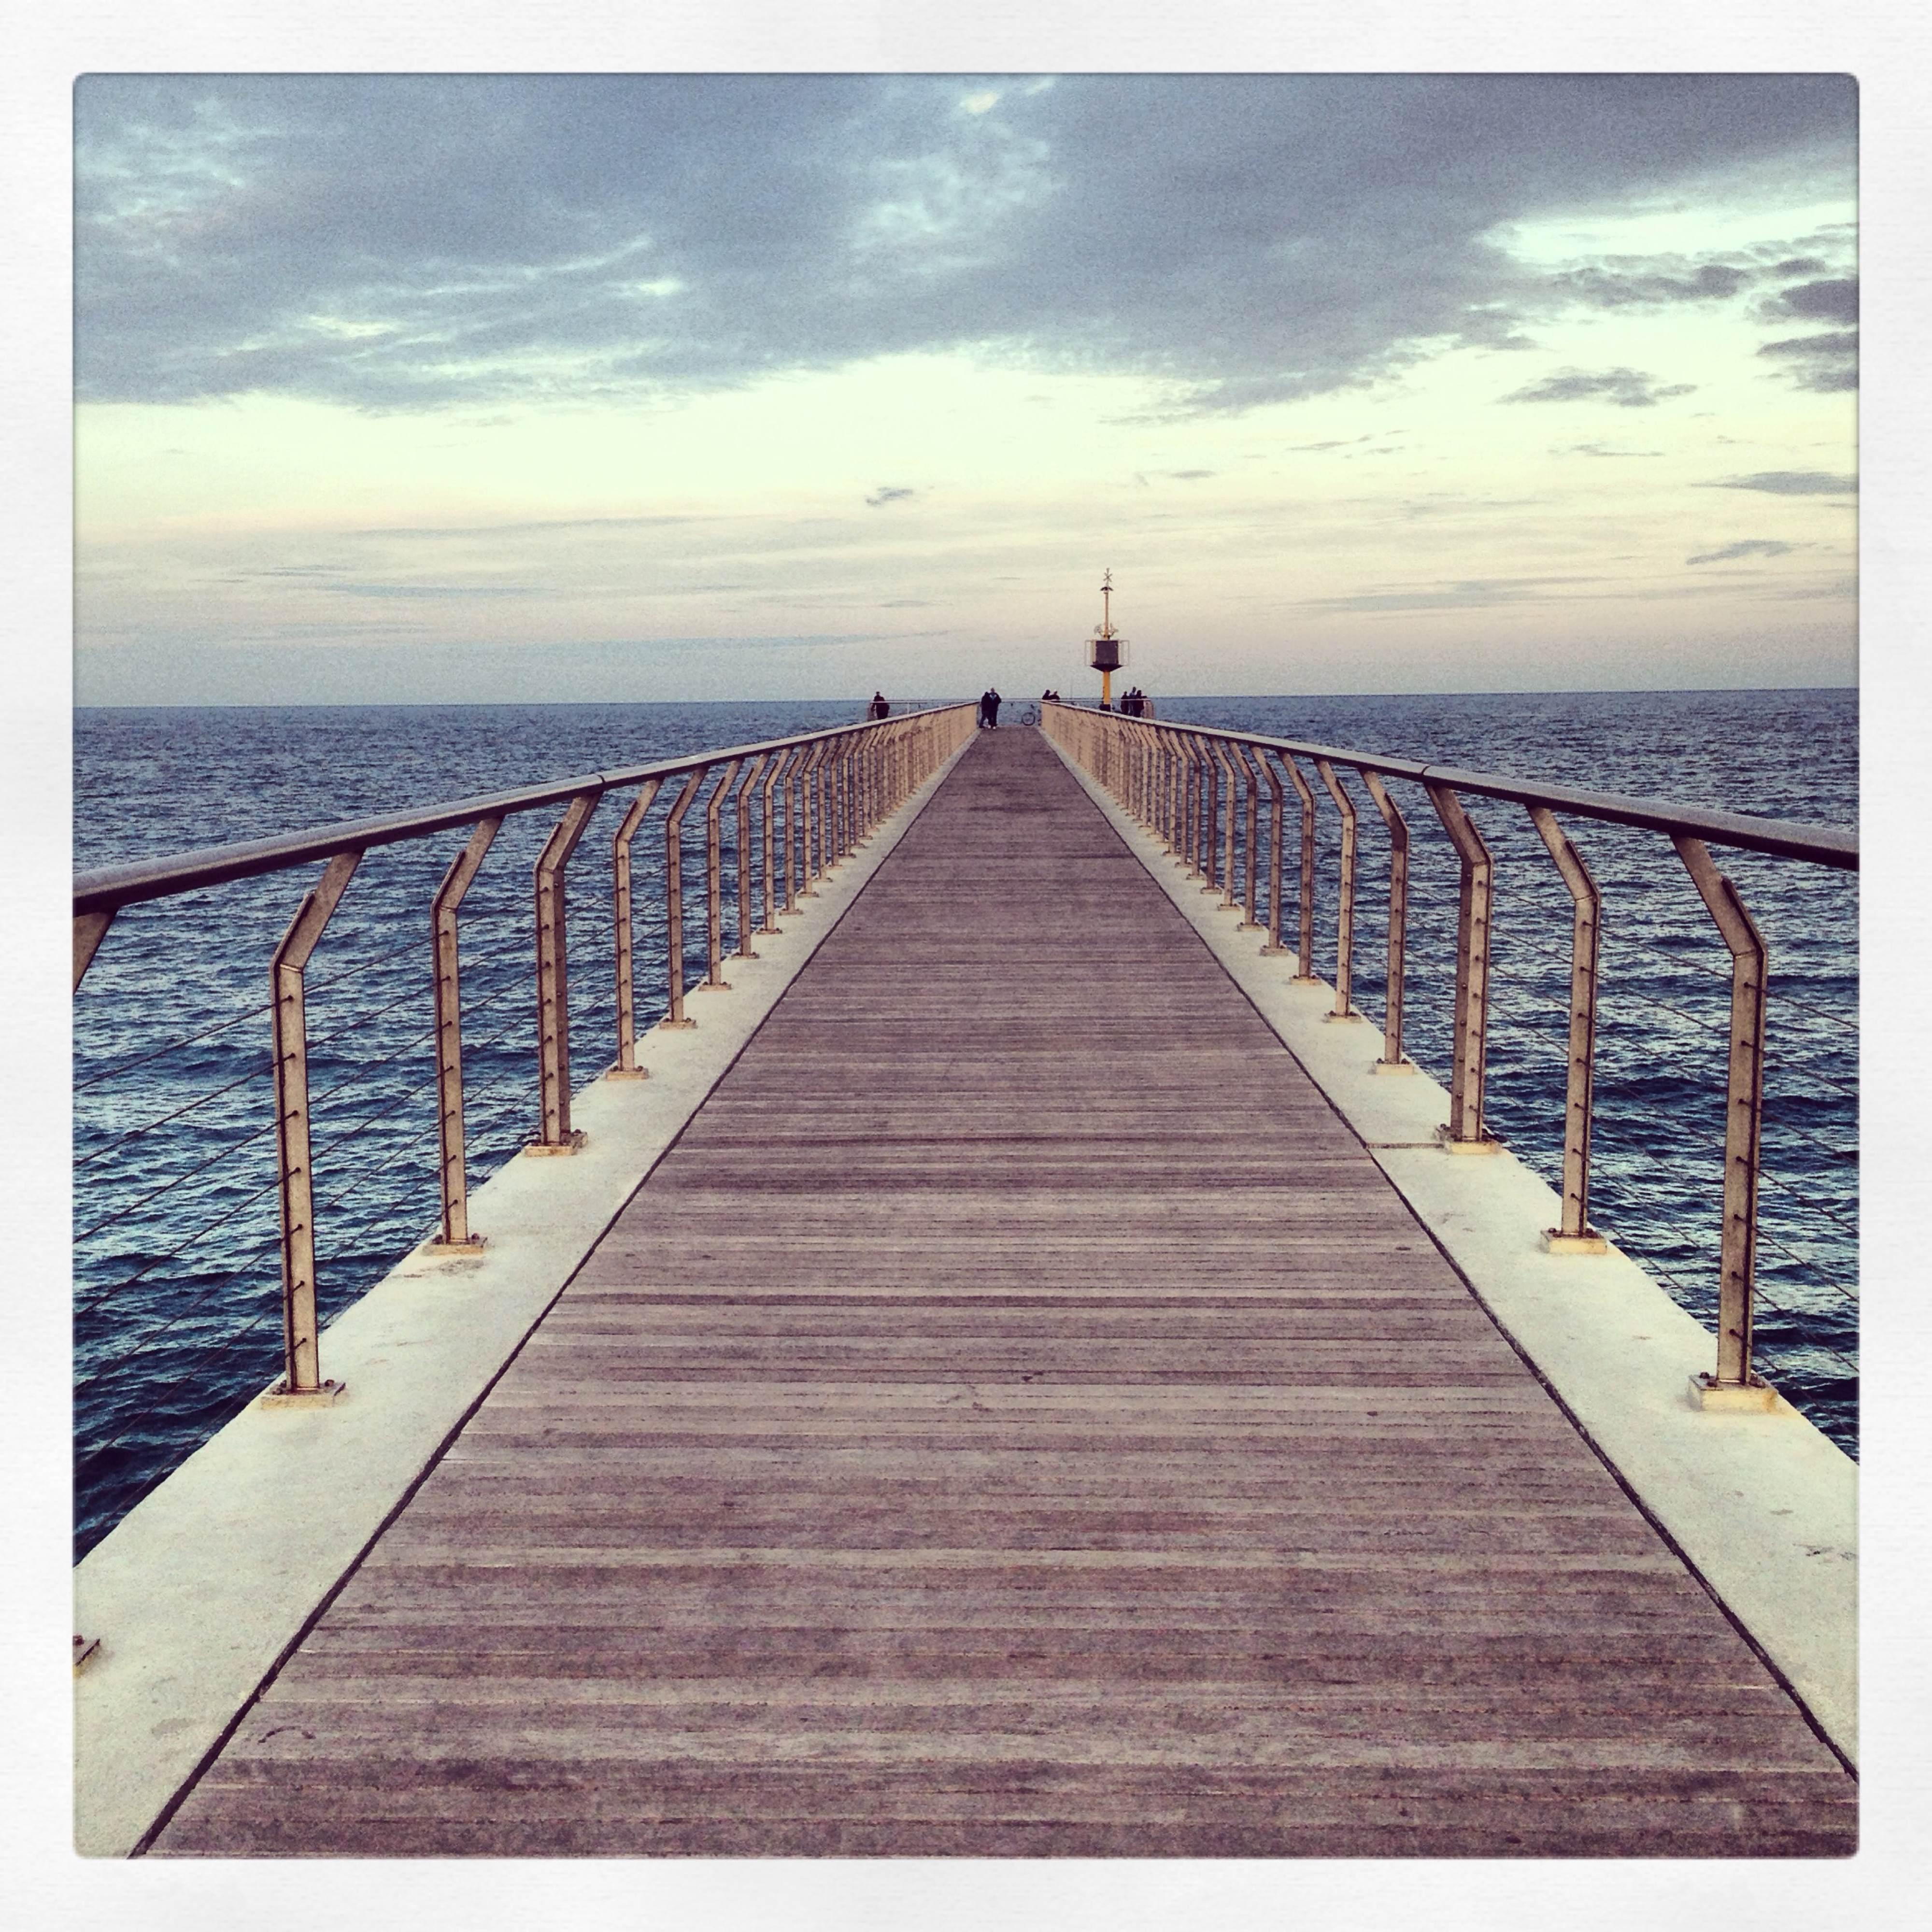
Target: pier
[1017, 1415]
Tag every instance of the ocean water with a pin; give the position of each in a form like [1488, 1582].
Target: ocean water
[177, 1301]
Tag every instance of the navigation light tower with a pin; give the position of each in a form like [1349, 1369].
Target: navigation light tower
[1105, 651]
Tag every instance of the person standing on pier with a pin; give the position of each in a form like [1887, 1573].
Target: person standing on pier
[878, 708]
[992, 707]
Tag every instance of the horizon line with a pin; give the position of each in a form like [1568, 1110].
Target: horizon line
[1178, 697]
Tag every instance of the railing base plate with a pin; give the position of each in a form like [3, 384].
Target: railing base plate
[1343, 1019]
[671, 1025]
[1393, 1066]
[1556, 1243]
[627, 1073]
[573, 1145]
[1485, 1145]
[1749, 1398]
[470, 1245]
[282, 1396]
[1753, 1397]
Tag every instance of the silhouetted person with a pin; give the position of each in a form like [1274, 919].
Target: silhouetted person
[878, 708]
[993, 708]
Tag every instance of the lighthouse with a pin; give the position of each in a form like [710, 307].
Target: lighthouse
[1106, 651]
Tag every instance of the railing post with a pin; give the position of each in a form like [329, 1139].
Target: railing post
[1304, 949]
[462, 868]
[624, 928]
[1210, 810]
[1224, 767]
[1470, 1043]
[809, 822]
[674, 1015]
[1174, 807]
[301, 1383]
[90, 929]
[828, 821]
[1392, 1061]
[553, 980]
[1189, 807]
[752, 772]
[774, 775]
[841, 787]
[715, 981]
[1575, 1236]
[1275, 831]
[1735, 1386]
[1250, 921]
[1345, 913]
[795, 826]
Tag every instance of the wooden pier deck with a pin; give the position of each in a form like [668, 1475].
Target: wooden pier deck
[1018, 1417]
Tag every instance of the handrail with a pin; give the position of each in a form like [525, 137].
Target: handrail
[848, 789]
[106, 888]
[1165, 773]
[1782, 837]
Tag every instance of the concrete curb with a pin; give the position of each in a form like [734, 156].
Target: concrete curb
[1764, 1506]
[200, 1592]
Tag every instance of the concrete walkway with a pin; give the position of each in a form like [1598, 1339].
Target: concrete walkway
[1019, 1417]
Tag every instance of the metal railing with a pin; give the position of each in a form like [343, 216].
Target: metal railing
[1172, 777]
[814, 797]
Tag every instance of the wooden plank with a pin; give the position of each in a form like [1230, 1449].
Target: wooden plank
[1018, 1419]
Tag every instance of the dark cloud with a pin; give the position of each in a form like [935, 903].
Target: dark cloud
[1598, 449]
[1829, 361]
[1616, 286]
[1792, 483]
[1627, 388]
[1189, 475]
[1824, 362]
[1835, 300]
[889, 494]
[1749, 547]
[410, 241]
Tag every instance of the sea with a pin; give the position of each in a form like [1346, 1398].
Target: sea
[177, 1307]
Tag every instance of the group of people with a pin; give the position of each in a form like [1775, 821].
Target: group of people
[1133, 705]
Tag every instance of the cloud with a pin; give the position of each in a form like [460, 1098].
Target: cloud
[1749, 547]
[1627, 388]
[1598, 449]
[1473, 593]
[889, 494]
[441, 589]
[1616, 286]
[408, 241]
[1823, 362]
[1836, 300]
[1189, 475]
[1791, 483]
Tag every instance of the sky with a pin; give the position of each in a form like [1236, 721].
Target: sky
[417, 388]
